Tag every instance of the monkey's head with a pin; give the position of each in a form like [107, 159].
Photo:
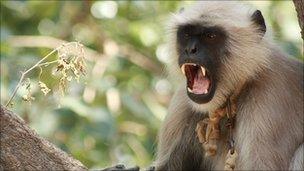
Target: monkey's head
[216, 46]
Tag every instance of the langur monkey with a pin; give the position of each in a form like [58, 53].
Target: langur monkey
[218, 48]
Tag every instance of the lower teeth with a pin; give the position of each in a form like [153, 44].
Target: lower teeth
[189, 89]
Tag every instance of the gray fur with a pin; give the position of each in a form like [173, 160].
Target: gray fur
[270, 118]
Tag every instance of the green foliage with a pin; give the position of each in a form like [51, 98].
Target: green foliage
[114, 115]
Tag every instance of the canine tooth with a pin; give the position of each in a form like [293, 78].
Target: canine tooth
[189, 90]
[183, 69]
[206, 91]
[203, 71]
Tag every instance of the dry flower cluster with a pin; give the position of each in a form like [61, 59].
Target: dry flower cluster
[70, 65]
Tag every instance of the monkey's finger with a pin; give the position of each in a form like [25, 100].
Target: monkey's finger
[208, 132]
[215, 134]
[210, 148]
[200, 132]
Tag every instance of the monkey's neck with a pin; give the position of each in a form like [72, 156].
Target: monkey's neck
[233, 97]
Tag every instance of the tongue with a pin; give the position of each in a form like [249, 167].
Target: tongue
[200, 84]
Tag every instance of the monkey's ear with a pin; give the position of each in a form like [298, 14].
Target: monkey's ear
[258, 20]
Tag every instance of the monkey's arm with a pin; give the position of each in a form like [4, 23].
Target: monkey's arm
[178, 146]
[172, 127]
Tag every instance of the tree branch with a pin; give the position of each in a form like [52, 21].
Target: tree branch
[299, 4]
[24, 149]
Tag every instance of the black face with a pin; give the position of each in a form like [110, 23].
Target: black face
[200, 49]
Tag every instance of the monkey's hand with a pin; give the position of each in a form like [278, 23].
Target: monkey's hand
[208, 131]
[208, 140]
[212, 135]
[201, 130]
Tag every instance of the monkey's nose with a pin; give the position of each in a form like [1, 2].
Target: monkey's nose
[191, 50]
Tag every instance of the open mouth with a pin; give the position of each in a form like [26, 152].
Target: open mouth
[198, 79]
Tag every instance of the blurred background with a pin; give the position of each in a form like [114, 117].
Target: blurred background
[113, 114]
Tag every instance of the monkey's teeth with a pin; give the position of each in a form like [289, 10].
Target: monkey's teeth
[183, 69]
[205, 92]
[203, 71]
[189, 90]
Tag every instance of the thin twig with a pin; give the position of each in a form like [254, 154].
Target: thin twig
[30, 69]
[48, 63]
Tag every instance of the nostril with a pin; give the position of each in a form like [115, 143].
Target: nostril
[193, 50]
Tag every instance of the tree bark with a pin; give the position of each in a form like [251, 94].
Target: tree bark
[299, 4]
[24, 149]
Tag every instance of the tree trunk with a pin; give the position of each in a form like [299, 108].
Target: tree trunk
[23, 149]
[299, 4]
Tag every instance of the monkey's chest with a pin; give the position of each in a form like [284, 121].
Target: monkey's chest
[193, 155]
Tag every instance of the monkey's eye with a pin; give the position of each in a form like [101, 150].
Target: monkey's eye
[210, 35]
